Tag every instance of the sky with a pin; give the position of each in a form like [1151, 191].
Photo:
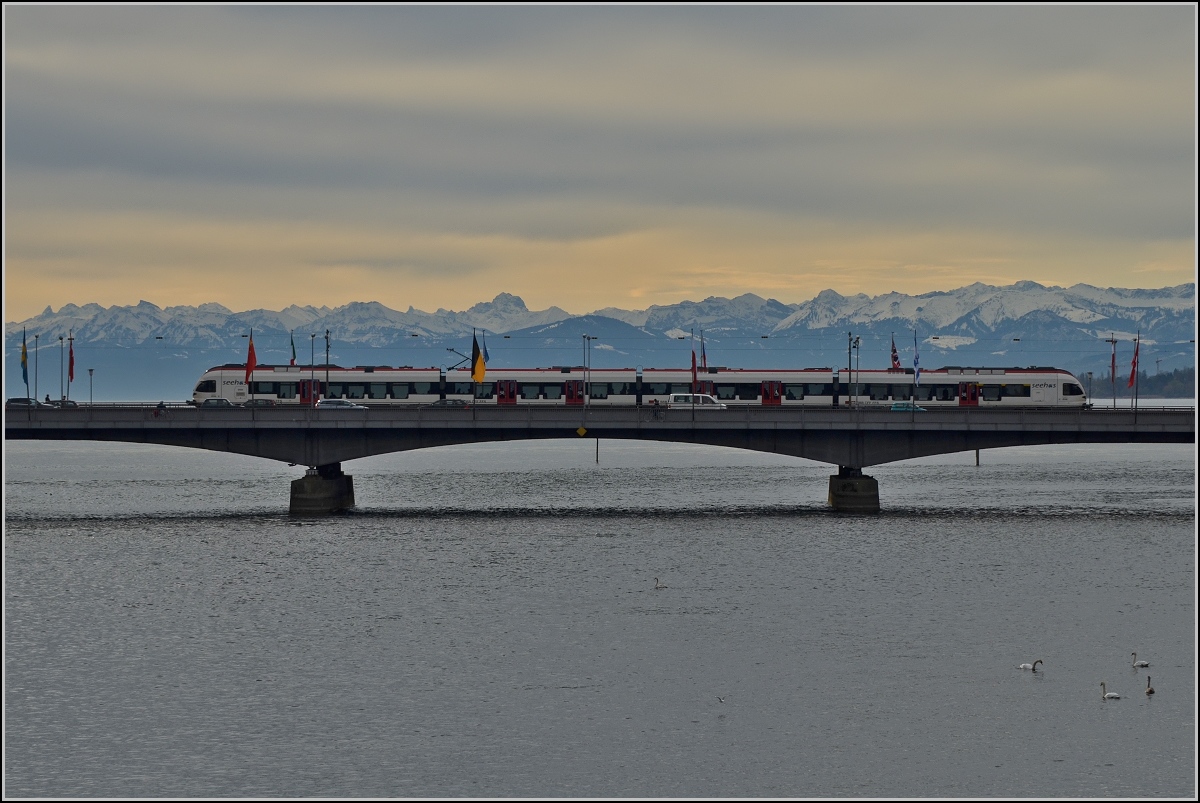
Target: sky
[589, 157]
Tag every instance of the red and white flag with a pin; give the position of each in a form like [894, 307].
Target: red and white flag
[1133, 367]
[895, 354]
[71, 362]
[251, 360]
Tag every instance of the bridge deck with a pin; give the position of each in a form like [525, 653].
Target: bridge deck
[848, 437]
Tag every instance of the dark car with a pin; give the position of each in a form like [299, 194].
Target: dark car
[209, 404]
[450, 403]
[339, 404]
[61, 403]
[22, 404]
[261, 403]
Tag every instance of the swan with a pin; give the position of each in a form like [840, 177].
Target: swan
[658, 585]
[1106, 694]
[1136, 662]
[722, 699]
[1149, 688]
[1032, 666]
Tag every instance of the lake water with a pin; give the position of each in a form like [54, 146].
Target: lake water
[486, 624]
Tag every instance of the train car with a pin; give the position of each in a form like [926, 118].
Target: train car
[575, 385]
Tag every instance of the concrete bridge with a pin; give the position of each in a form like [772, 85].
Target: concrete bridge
[850, 438]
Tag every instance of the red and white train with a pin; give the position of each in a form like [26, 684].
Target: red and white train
[574, 385]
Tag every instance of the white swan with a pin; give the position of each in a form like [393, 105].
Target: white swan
[1149, 688]
[658, 585]
[1106, 694]
[1032, 666]
[1136, 662]
[722, 699]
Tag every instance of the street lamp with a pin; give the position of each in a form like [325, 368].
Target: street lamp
[326, 360]
[587, 363]
[90, 386]
[858, 365]
[312, 369]
[61, 393]
[35, 365]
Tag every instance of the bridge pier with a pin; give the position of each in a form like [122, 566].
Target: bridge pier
[322, 490]
[853, 492]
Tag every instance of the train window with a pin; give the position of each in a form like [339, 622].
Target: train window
[264, 388]
[465, 388]
[879, 392]
[356, 391]
[901, 392]
[620, 389]
[748, 392]
[206, 386]
[377, 390]
[793, 392]
[1016, 390]
[483, 391]
[598, 390]
[726, 392]
[656, 388]
[686, 387]
[991, 392]
[923, 393]
[815, 389]
[945, 392]
[530, 391]
[336, 389]
[287, 390]
[552, 391]
[399, 390]
[1071, 389]
[423, 388]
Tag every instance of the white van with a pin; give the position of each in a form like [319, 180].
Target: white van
[701, 400]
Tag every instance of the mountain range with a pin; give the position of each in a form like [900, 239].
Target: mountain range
[146, 352]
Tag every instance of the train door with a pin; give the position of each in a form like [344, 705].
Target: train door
[772, 393]
[310, 391]
[968, 394]
[573, 391]
[506, 391]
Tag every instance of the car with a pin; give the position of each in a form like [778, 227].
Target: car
[907, 407]
[260, 403]
[209, 404]
[450, 403]
[23, 404]
[61, 403]
[339, 404]
[695, 400]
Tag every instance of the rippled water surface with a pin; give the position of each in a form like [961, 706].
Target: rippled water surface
[486, 624]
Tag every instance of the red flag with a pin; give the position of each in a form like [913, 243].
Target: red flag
[251, 361]
[694, 384]
[895, 354]
[71, 363]
[1133, 370]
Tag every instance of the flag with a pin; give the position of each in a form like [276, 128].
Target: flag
[71, 361]
[24, 362]
[1112, 374]
[486, 357]
[694, 384]
[478, 362]
[895, 354]
[916, 363]
[251, 360]
[703, 356]
[1133, 368]
[293, 362]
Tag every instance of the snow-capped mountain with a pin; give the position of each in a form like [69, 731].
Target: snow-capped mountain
[1023, 324]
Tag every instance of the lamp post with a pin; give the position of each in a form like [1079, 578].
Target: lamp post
[61, 392]
[312, 369]
[858, 360]
[90, 386]
[35, 366]
[326, 360]
[1089, 376]
[1112, 371]
[587, 367]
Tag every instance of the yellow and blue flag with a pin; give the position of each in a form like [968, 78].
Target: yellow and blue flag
[478, 362]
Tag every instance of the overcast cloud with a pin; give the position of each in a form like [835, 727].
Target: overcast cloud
[590, 157]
